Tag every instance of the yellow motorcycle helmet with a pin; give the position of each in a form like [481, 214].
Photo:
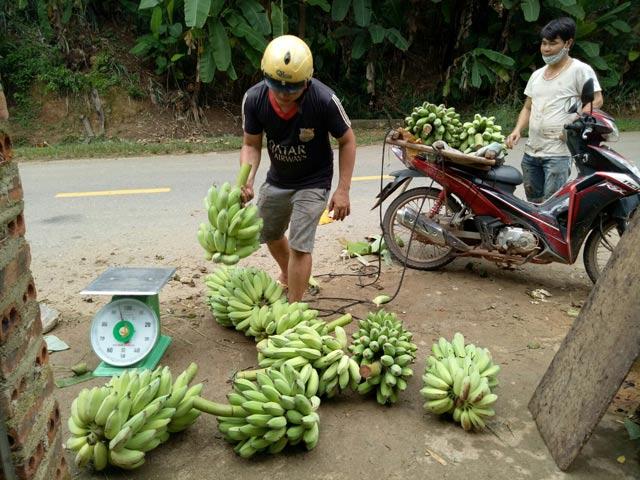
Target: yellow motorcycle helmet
[287, 63]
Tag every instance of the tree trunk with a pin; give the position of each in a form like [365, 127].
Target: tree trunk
[594, 357]
[302, 23]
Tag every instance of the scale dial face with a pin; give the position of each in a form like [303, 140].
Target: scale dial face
[124, 331]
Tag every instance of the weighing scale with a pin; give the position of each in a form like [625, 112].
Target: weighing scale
[125, 333]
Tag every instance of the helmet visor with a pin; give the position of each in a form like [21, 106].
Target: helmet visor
[284, 87]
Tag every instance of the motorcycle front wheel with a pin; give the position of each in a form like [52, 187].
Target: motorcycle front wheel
[422, 255]
[599, 247]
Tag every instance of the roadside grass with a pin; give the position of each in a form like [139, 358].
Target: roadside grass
[128, 148]
[628, 124]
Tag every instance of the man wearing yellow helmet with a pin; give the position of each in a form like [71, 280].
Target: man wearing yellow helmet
[297, 113]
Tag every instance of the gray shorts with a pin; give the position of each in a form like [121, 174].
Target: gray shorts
[300, 210]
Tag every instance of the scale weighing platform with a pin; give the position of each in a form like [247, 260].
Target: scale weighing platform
[125, 333]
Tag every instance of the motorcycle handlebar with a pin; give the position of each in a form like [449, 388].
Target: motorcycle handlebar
[577, 126]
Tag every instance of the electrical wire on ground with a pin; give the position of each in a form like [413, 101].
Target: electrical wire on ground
[325, 312]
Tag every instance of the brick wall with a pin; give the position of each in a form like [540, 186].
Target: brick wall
[26, 382]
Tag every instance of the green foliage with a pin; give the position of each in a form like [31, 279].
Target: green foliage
[224, 36]
[59, 79]
[380, 56]
[605, 39]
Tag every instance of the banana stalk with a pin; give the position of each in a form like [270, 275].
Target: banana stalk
[218, 409]
[245, 170]
[342, 321]
[371, 370]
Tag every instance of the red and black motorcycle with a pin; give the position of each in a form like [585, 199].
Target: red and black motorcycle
[467, 212]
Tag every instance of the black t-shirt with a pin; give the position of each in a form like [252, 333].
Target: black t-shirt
[298, 140]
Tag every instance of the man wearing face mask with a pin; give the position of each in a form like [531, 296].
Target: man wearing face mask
[546, 163]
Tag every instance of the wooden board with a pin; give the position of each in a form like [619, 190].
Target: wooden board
[594, 357]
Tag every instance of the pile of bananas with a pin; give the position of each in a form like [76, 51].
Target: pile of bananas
[242, 298]
[431, 122]
[284, 315]
[482, 131]
[383, 349]
[134, 413]
[218, 304]
[458, 379]
[309, 348]
[233, 231]
[270, 413]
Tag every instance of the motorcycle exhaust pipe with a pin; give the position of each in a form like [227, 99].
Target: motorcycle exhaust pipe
[433, 231]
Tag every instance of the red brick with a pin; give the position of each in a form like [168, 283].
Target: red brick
[26, 470]
[10, 360]
[18, 265]
[9, 275]
[54, 467]
[15, 192]
[6, 151]
[13, 392]
[62, 470]
[17, 227]
[29, 292]
[10, 320]
[53, 424]
[41, 387]
[19, 434]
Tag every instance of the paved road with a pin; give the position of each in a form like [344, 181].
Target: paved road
[167, 220]
[65, 230]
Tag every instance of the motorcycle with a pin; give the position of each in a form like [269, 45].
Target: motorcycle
[468, 212]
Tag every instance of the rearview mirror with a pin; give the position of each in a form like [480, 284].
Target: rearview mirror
[587, 92]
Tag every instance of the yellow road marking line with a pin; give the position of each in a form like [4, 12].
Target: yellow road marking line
[370, 177]
[133, 191]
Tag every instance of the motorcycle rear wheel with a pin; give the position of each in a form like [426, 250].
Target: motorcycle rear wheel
[422, 255]
[599, 247]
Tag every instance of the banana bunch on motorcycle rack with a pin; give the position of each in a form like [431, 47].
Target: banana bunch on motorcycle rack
[431, 122]
[437, 126]
[458, 380]
[233, 230]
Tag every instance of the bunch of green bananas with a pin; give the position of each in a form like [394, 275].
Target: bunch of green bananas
[284, 316]
[134, 413]
[233, 231]
[481, 357]
[434, 122]
[270, 413]
[458, 380]
[242, 298]
[479, 133]
[218, 304]
[383, 349]
[309, 345]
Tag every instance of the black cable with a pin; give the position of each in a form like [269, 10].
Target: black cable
[378, 271]
[413, 229]
[360, 275]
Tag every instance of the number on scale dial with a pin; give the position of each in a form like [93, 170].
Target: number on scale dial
[124, 331]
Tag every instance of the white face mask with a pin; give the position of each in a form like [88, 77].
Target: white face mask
[552, 59]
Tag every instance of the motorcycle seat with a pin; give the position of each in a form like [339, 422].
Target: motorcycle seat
[503, 174]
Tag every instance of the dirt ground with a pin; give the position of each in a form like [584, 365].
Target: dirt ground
[359, 438]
